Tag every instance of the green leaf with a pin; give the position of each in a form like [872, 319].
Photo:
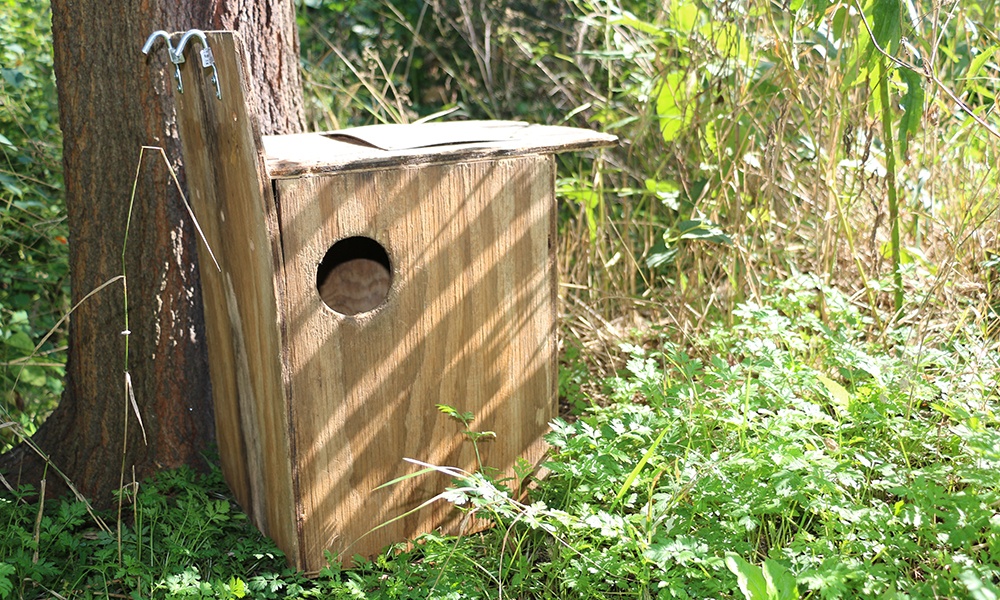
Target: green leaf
[887, 17]
[704, 230]
[683, 15]
[660, 256]
[913, 108]
[841, 397]
[21, 341]
[10, 184]
[6, 142]
[6, 585]
[749, 577]
[33, 376]
[673, 105]
[979, 62]
[780, 581]
[729, 41]
[237, 589]
[667, 191]
[465, 417]
[638, 467]
[979, 588]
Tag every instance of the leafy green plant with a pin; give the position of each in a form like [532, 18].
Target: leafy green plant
[796, 442]
[182, 537]
[34, 285]
[769, 582]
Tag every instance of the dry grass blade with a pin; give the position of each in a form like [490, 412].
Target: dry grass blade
[130, 393]
[38, 521]
[180, 192]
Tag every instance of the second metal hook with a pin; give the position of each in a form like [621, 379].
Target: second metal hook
[207, 58]
[177, 55]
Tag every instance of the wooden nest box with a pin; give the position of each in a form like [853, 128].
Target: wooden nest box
[367, 276]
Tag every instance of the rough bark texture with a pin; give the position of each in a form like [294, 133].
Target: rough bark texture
[112, 101]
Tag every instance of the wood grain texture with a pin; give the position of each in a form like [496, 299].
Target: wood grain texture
[234, 204]
[468, 322]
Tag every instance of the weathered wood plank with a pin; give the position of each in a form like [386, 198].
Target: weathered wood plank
[469, 321]
[233, 201]
[364, 147]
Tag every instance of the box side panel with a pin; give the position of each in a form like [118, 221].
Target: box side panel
[468, 322]
[234, 205]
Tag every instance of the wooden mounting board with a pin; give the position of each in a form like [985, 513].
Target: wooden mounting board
[234, 203]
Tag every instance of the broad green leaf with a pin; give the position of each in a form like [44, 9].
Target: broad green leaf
[841, 397]
[683, 15]
[979, 588]
[912, 254]
[6, 142]
[887, 17]
[667, 191]
[729, 41]
[780, 581]
[237, 588]
[749, 577]
[10, 184]
[660, 256]
[21, 341]
[879, 76]
[31, 375]
[913, 108]
[673, 105]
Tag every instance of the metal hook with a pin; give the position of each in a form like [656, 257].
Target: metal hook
[207, 58]
[175, 57]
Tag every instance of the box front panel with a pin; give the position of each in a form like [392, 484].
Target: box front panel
[463, 316]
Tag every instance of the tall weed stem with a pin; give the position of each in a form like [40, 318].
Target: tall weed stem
[890, 178]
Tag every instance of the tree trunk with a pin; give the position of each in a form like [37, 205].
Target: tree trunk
[112, 101]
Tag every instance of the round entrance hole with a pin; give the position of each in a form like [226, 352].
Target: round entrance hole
[354, 276]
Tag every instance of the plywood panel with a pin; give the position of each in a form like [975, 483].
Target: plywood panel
[468, 321]
[233, 201]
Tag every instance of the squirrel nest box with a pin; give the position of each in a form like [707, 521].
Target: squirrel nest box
[368, 276]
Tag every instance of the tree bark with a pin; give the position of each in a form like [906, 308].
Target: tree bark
[112, 101]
